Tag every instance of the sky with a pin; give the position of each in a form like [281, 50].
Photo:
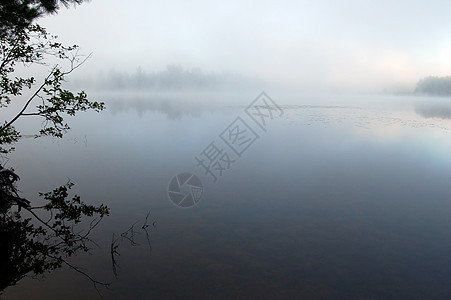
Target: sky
[334, 46]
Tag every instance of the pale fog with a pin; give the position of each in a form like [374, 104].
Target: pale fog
[310, 46]
[275, 149]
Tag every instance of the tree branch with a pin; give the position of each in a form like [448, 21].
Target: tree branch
[95, 282]
[29, 100]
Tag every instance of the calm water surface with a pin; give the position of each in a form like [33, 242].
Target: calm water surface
[341, 197]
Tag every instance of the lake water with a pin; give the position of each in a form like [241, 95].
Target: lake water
[344, 197]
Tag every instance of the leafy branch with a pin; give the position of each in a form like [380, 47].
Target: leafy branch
[40, 238]
[38, 243]
[49, 100]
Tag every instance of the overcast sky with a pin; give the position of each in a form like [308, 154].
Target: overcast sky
[347, 45]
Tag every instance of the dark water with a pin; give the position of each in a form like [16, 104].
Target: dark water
[340, 198]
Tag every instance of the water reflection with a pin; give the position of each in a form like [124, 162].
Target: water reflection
[174, 106]
[172, 109]
[341, 200]
[436, 108]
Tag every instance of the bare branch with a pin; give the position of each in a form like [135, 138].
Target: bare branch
[94, 282]
[144, 227]
[113, 249]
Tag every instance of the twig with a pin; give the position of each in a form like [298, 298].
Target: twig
[114, 251]
[95, 282]
[144, 227]
[132, 239]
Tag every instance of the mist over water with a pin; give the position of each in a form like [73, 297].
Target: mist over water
[339, 188]
[325, 46]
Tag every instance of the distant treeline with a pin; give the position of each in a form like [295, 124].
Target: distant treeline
[434, 86]
[174, 78]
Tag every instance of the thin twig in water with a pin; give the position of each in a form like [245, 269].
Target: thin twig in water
[144, 227]
[114, 252]
[132, 235]
[129, 235]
